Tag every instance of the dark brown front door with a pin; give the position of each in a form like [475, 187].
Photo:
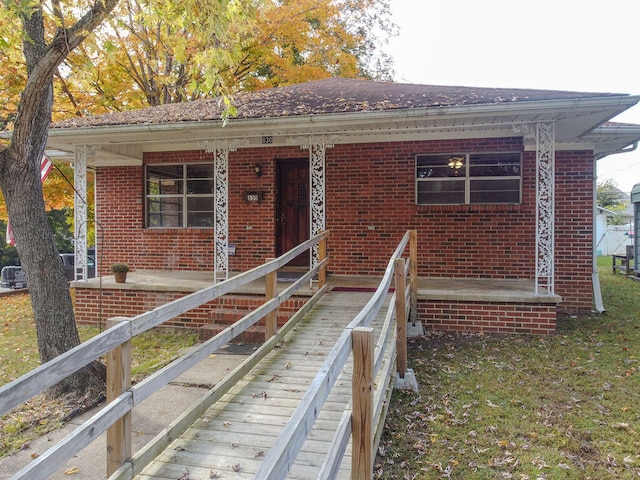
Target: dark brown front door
[292, 209]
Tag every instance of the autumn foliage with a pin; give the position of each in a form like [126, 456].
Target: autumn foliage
[152, 52]
[57, 190]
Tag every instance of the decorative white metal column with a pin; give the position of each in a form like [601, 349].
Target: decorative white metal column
[220, 150]
[317, 146]
[82, 154]
[545, 206]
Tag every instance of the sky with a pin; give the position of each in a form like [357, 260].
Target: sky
[546, 44]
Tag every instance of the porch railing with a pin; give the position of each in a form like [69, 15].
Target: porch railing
[115, 416]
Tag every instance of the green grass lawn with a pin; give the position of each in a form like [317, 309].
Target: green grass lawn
[564, 406]
[19, 355]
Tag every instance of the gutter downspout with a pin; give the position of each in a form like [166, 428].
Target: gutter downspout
[595, 278]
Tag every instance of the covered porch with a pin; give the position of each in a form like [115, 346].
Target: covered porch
[498, 182]
[461, 304]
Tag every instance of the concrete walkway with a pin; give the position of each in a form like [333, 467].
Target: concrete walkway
[148, 419]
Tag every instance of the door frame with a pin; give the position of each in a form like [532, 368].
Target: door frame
[303, 218]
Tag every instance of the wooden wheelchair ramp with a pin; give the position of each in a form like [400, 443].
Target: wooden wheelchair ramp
[233, 436]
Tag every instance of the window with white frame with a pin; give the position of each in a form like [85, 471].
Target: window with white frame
[469, 178]
[179, 195]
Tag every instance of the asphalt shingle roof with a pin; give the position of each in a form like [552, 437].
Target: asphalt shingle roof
[332, 95]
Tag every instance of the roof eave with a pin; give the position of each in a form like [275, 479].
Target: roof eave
[576, 119]
[614, 105]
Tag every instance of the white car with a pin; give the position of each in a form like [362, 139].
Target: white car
[13, 276]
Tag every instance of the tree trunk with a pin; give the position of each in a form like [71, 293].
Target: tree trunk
[22, 189]
[48, 287]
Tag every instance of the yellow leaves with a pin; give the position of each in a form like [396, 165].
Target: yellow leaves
[57, 190]
[301, 41]
[72, 471]
[12, 75]
[166, 52]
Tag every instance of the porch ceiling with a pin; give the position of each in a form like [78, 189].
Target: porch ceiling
[579, 123]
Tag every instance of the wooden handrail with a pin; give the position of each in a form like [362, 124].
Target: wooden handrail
[413, 276]
[271, 319]
[47, 375]
[281, 456]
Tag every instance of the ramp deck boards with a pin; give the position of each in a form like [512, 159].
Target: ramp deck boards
[232, 437]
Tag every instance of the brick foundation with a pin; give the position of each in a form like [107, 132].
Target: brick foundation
[498, 317]
[511, 317]
[208, 320]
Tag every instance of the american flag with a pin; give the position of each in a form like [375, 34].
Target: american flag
[45, 167]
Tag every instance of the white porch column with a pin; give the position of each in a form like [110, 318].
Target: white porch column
[545, 206]
[82, 154]
[220, 150]
[317, 146]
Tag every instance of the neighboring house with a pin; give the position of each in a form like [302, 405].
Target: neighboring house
[635, 201]
[499, 184]
[612, 239]
[601, 223]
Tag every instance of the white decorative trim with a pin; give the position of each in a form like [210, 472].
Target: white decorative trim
[82, 154]
[317, 146]
[220, 150]
[545, 206]
[528, 132]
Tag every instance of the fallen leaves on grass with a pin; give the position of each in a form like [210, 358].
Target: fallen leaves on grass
[40, 414]
[514, 407]
[19, 355]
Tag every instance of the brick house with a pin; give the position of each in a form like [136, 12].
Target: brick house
[499, 184]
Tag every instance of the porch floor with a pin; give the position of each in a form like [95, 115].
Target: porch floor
[429, 288]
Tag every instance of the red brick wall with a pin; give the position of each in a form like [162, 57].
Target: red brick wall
[574, 230]
[120, 199]
[370, 203]
[209, 319]
[537, 319]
